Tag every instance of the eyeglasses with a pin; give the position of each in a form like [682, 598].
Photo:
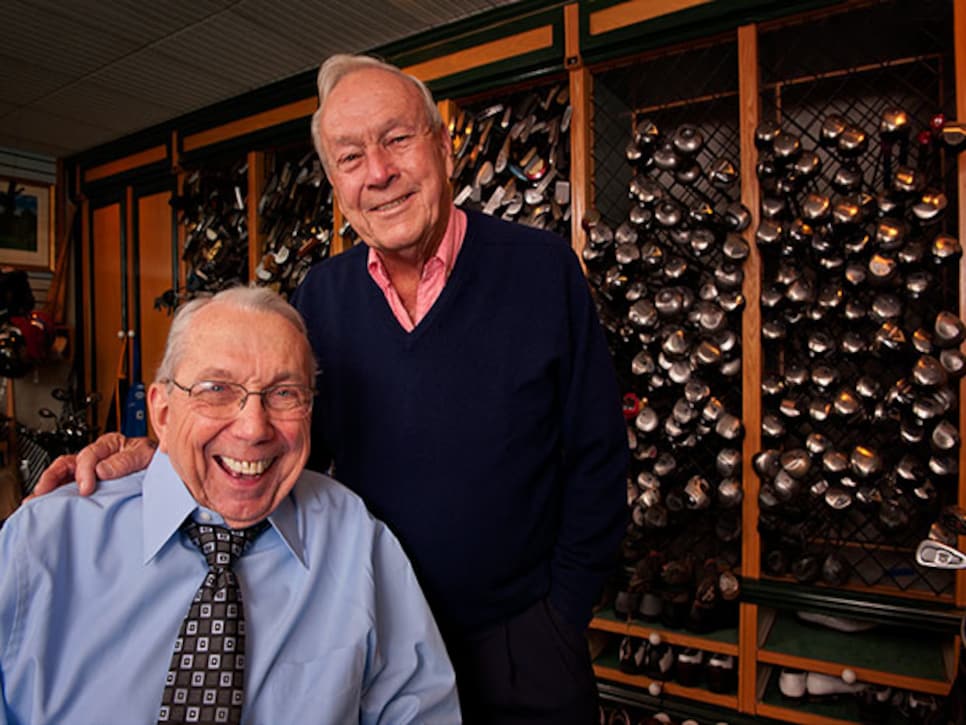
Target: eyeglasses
[220, 400]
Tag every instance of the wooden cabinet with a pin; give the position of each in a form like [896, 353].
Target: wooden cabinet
[127, 265]
[793, 72]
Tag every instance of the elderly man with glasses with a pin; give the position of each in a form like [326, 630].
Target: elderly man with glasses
[308, 611]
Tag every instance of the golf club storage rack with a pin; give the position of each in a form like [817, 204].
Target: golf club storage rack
[770, 223]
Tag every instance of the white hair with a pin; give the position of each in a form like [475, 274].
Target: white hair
[255, 299]
[337, 67]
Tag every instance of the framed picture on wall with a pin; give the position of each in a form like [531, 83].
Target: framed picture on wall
[26, 224]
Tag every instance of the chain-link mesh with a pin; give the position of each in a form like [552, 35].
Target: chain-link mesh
[858, 200]
[665, 260]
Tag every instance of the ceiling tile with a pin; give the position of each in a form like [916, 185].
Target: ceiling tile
[39, 131]
[168, 80]
[104, 106]
[138, 22]
[51, 40]
[23, 81]
[85, 72]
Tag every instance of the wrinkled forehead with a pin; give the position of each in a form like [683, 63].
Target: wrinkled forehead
[222, 334]
[361, 93]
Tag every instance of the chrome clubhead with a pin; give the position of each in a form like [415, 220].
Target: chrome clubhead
[937, 555]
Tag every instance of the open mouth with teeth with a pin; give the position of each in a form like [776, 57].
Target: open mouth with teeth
[244, 469]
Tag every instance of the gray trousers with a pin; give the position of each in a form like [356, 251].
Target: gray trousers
[528, 670]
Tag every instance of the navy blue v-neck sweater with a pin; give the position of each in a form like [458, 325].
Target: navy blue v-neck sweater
[489, 438]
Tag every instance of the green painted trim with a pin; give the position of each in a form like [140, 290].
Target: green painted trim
[894, 611]
[463, 41]
[475, 26]
[496, 75]
[127, 146]
[504, 72]
[147, 176]
[698, 22]
[280, 135]
[497, 85]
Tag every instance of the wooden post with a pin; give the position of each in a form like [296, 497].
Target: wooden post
[581, 101]
[256, 177]
[959, 46]
[751, 362]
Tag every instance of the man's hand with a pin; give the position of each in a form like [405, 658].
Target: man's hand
[110, 456]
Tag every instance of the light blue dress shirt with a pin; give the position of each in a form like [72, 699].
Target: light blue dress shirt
[93, 591]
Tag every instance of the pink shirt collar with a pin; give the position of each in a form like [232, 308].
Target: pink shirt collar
[436, 272]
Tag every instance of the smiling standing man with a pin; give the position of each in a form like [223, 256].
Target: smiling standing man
[102, 619]
[468, 396]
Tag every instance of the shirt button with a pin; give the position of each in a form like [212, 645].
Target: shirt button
[205, 516]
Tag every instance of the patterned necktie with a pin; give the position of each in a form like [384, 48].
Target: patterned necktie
[207, 673]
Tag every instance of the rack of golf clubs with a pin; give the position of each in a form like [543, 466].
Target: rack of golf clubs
[664, 259]
[38, 447]
[512, 157]
[860, 330]
[295, 213]
[212, 208]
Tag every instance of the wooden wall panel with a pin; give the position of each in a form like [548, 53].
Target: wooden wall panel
[154, 260]
[106, 303]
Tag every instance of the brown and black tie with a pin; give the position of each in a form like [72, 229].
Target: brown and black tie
[204, 683]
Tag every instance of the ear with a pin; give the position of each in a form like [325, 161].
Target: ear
[159, 408]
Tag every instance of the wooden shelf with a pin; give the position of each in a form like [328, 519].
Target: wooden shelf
[607, 667]
[898, 658]
[724, 641]
[841, 711]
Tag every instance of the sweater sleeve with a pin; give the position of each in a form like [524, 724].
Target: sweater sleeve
[594, 461]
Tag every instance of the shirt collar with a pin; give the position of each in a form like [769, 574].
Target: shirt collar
[167, 503]
[445, 254]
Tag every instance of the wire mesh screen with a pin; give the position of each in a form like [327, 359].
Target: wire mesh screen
[512, 156]
[859, 303]
[295, 213]
[665, 260]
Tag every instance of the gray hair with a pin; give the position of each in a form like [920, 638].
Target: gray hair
[255, 299]
[336, 67]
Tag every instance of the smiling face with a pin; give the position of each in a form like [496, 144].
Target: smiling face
[242, 467]
[390, 170]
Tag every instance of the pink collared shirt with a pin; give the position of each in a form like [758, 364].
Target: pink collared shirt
[435, 273]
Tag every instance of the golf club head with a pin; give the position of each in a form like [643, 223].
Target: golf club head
[937, 555]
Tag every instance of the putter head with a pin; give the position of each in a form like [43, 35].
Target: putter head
[937, 555]
[953, 134]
